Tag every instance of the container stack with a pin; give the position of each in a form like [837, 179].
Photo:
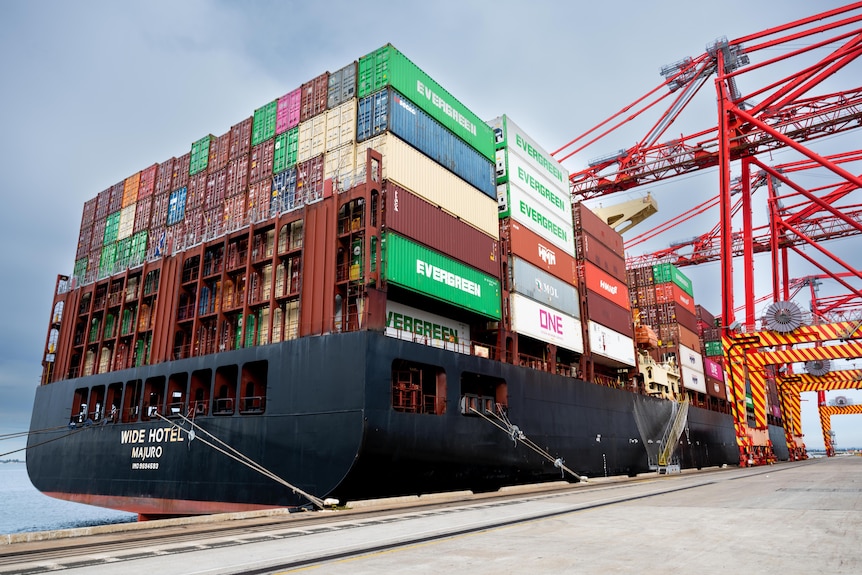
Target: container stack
[710, 347]
[607, 312]
[535, 221]
[662, 298]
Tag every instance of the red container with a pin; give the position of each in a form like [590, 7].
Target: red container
[600, 282]
[314, 94]
[716, 388]
[181, 171]
[103, 203]
[143, 211]
[216, 189]
[148, 182]
[235, 211]
[259, 194]
[527, 244]
[670, 292]
[587, 221]
[260, 162]
[592, 250]
[194, 229]
[219, 153]
[417, 219]
[85, 237]
[639, 277]
[670, 313]
[89, 214]
[237, 176]
[159, 212]
[165, 176]
[98, 234]
[116, 198]
[213, 222]
[703, 315]
[605, 312]
[240, 138]
[288, 111]
[196, 192]
[157, 242]
[309, 180]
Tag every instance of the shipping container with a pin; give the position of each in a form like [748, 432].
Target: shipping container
[312, 138]
[181, 172]
[127, 222]
[388, 110]
[690, 359]
[417, 219]
[164, 176]
[240, 138]
[712, 348]
[263, 125]
[112, 228]
[216, 189]
[177, 206]
[159, 215]
[716, 388]
[107, 260]
[259, 195]
[148, 182]
[219, 153]
[283, 191]
[314, 97]
[592, 250]
[603, 311]
[287, 111]
[412, 324]
[103, 203]
[237, 176]
[514, 203]
[199, 157]
[260, 161]
[341, 125]
[704, 315]
[422, 176]
[673, 334]
[213, 222]
[309, 180]
[713, 369]
[508, 135]
[539, 252]
[116, 203]
[89, 214]
[693, 380]
[671, 292]
[671, 313]
[663, 273]
[130, 189]
[340, 166]
[510, 167]
[341, 86]
[602, 283]
[386, 66]
[607, 343]
[235, 212]
[540, 322]
[85, 237]
[544, 288]
[285, 150]
[196, 191]
[423, 270]
[143, 213]
[585, 220]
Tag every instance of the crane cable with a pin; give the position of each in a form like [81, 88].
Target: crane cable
[236, 455]
[516, 434]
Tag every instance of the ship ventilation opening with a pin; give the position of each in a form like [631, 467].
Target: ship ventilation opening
[483, 395]
[154, 393]
[253, 389]
[131, 401]
[79, 406]
[177, 394]
[418, 387]
[199, 392]
[225, 390]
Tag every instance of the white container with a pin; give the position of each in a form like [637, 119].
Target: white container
[546, 324]
[611, 344]
[411, 324]
[508, 135]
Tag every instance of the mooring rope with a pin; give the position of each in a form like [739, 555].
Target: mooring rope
[73, 432]
[515, 433]
[240, 457]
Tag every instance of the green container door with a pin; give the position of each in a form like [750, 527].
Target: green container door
[263, 125]
[664, 273]
[286, 149]
[112, 229]
[107, 260]
[712, 348]
[123, 253]
[81, 269]
[200, 155]
[389, 67]
[417, 268]
[138, 249]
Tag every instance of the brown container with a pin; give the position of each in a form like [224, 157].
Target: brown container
[143, 212]
[640, 277]
[219, 153]
[165, 177]
[116, 198]
[98, 234]
[527, 244]
[159, 212]
[417, 219]
[237, 176]
[605, 312]
[587, 221]
[645, 296]
[670, 292]
[196, 192]
[148, 182]
[235, 211]
[260, 161]
[216, 189]
[592, 250]
[703, 315]
[259, 194]
[240, 139]
[181, 172]
[716, 388]
[193, 222]
[85, 237]
[309, 179]
[670, 313]
[673, 334]
[602, 283]
[89, 214]
[314, 96]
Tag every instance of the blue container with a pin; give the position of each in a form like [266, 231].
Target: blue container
[284, 192]
[176, 206]
[389, 110]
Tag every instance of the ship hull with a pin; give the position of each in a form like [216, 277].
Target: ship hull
[329, 429]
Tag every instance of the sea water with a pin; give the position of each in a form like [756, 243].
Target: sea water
[23, 508]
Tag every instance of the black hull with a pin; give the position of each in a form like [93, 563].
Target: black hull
[329, 429]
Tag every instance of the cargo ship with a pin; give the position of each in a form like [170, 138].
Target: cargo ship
[362, 290]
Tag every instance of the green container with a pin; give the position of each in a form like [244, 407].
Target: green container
[387, 66]
[138, 249]
[112, 228]
[263, 125]
[286, 148]
[107, 260]
[200, 155]
[128, 322]
[417, 268]
[124, 251]
[712, 348]
[663, 273]
[81, 270]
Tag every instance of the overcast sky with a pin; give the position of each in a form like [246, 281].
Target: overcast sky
[94, 91]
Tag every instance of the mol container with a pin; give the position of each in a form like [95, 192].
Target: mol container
[544, 288]
[388, 110]
[507, 135]
[387, 66]
[539, 252]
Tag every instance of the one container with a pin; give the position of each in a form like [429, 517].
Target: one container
[88, 216]
[196, 191]
[285, 150]
[690, 359]
[130, 189]
[103, 203]
[237, 176]
[712, 348]
[176, 206]
[607, 343]
[510, 167]
[340, 166]
[420, 269]
[240, 138]
[341, 125]
[675, 313]
[584, 219]
[389, 110]
[112, 228]
[541, 322]
[592, 250]
[181, 172]
[412, 324]
[693, 380]
[670, 273]
[608, 286]
[235, 212]
[601, 310]
[216, 189]
[259, 196]
[713, 369]
[84, 240]
[159, 215]
[539, 252]
[716, 388]
[386, 66]
[314, 97]
[514, 203]
[341, 86]
[508, 135]
[422, 221]
[416, 172]
[287, 111]
[544, 288]
[263, 126]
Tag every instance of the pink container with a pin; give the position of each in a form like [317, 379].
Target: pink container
[287, 111]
